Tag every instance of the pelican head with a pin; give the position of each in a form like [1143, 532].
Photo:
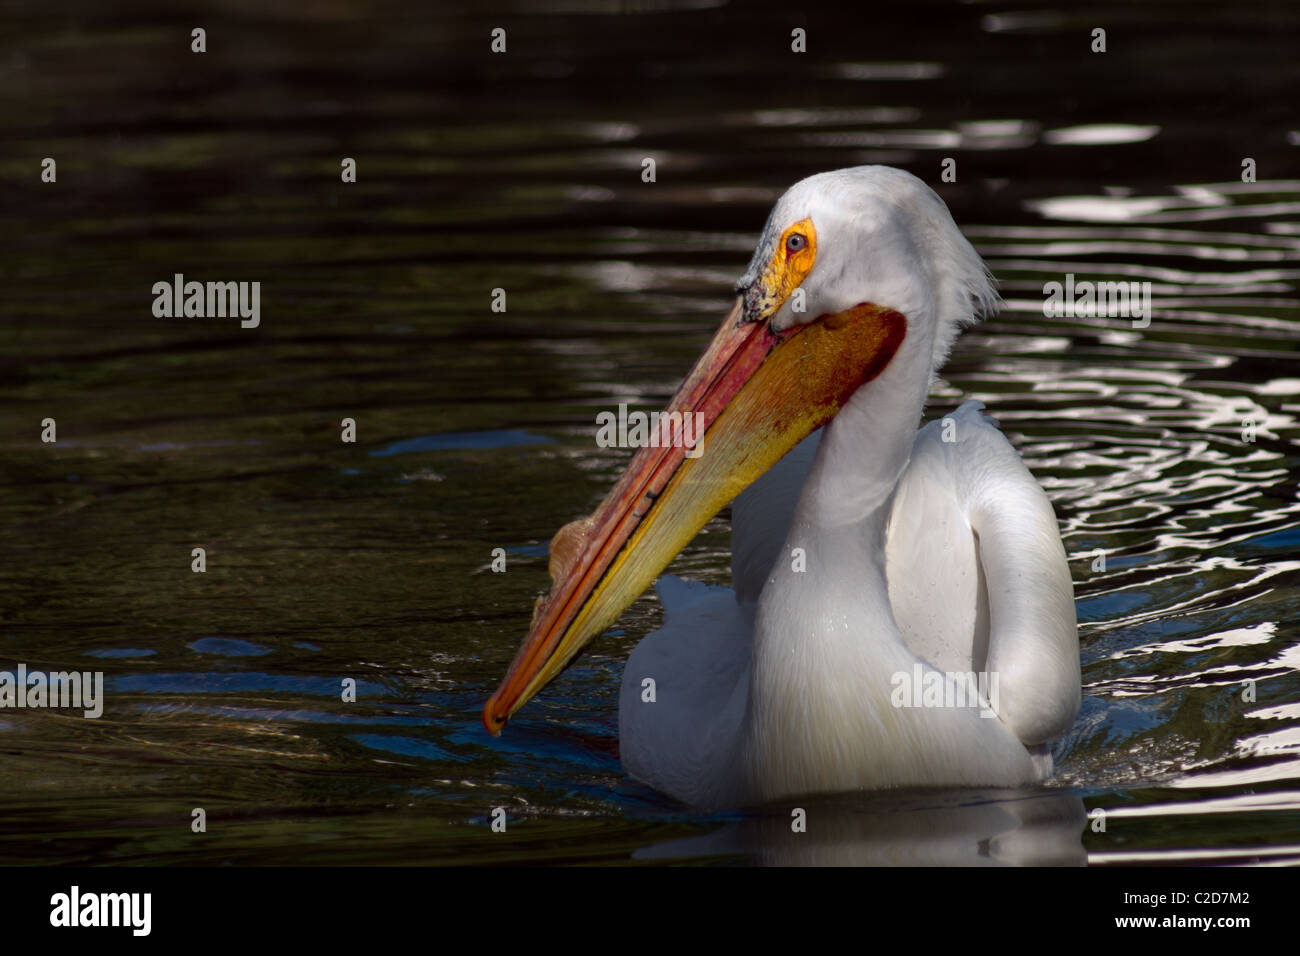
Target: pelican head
[867, 234]
[858, 272]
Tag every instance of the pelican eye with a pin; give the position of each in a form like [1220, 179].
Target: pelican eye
[794, 242]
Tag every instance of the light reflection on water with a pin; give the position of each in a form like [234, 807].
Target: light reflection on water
[476, 429]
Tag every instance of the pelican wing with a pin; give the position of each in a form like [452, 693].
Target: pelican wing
[978, 577]
[978, 581]
[679, 732]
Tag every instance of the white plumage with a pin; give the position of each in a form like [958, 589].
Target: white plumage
[934, 549]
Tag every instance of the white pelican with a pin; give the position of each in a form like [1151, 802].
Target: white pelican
[872, 555]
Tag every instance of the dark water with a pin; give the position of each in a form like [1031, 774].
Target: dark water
[475, 428]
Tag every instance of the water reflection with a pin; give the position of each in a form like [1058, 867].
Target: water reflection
[954, 829]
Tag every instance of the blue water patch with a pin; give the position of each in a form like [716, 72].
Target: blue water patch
[297, 715]
[239, 682]
[1123, 560]
[304, 646]
[502, 438]
[407, 747]
[122, 652]
[1103, 607]
[1287, 539]
[532, 550]
[1120, 721]
[350, 471]
[228, 647]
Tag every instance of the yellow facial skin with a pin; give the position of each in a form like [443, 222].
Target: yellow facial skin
[791, 261]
